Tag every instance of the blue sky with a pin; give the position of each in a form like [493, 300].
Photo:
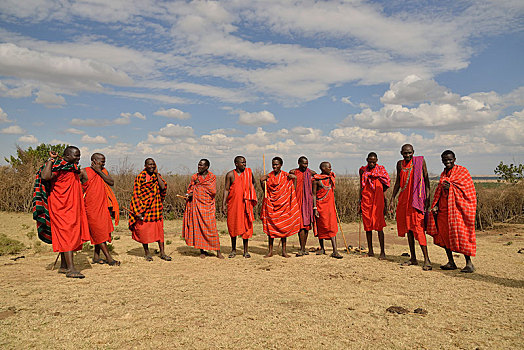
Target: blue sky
[334, 80]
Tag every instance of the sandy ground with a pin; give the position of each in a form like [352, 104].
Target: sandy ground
[310, 302]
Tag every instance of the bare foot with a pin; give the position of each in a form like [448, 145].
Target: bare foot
[370, 254]
[409, 263]
[268, 255]
[63, 270]
[336, 255]
[149, 258]
[74, 274]
[219, 255]
[382, 256]
[202, 256]
[320, 252]
[427, 266]
[286, 255]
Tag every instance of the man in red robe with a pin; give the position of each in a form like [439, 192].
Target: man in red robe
[94, 180]
[146, 220]
[324, 208]
[239, 200]
[374, 182]
[199, 226]
[68, 221]
[305, 201]
[280, 212]
[454, 206]
[413, 183]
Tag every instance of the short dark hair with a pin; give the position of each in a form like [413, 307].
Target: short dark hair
[96, 155]
[278, 159]
[237, 159]
[302, 158]
[145, 161]
[320, 166]
[372, 154]
[69, 149]
[206, 162]
[446, 152]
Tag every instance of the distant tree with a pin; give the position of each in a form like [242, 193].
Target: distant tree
[510, 173]
[33, 157]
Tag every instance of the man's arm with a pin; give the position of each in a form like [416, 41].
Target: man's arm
[83, 176]
[294, 178]
[315, 187]
[97, 167]
[227, 186]
[161, 182]
[47, 174]
[396, 188]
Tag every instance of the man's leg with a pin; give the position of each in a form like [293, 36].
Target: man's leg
[245, 241]
[63, 264]
[233, 247]
[202, 254]
[146, 252]
[302, 237]
[451, 262]
[369, 237]
[469, 265]
[382, 255]
[322, 251]
[335, 253]
[72, 271]
[427, 264]
[284, 246]
[270, 247]
[96, 254]
[109, 258]
[163, 255]
[413, 256]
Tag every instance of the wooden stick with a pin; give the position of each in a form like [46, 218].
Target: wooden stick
[359, 230]
[54, 265]
[342, 232]
[180, 196]
[264, 162]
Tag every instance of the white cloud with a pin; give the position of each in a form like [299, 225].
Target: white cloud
[74, 131]
[3, 116]
[176, 131]
[507, 131]
[28, 139]
[12, 130]
[96, 139]
[347, 101]
[159, 140]
[446, 111]
[49, 98]
[256, 118]
[70, 72]
[136, 115]
[172, 113]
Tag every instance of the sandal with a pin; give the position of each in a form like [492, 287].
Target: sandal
[165, 257]
[74, 274]
[149, 258]
[114, 263]
[99, 261]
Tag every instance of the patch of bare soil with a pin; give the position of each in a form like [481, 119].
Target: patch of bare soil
[306, 302]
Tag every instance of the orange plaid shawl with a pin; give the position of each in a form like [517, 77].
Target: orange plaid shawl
[199, 227]
[462, 206]
[147, 199]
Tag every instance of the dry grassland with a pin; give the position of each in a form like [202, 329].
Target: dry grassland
[308, 303]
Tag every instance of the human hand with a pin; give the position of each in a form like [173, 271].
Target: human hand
[434, 210]
[446, 185]
[315, 212]
[53, 154]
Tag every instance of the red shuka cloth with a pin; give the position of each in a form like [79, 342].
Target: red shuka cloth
[67, 213]
[409, 218]
[241, 200]
[455, 228]
[97, 210]
[372, 204]
[304, 198]
[112, 203]
[199, 227]
[148, 201]
[326, 223]
[280, 212]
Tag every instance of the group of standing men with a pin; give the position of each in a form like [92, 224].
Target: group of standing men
[72, 206]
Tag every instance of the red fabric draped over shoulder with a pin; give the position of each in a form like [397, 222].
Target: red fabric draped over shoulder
[280, 212]
[241, 200]
[97, 209]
